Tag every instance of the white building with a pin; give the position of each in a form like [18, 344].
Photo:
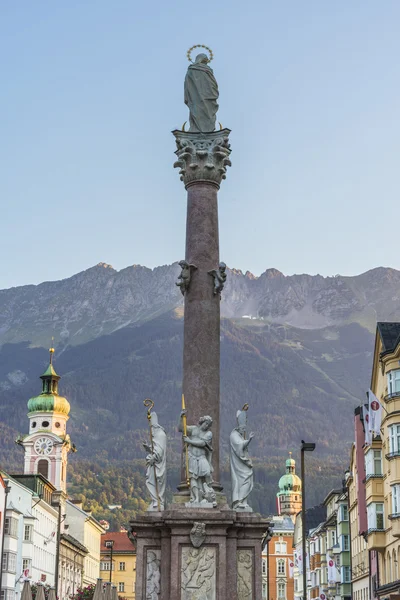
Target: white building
[29, 535]
[87, 530]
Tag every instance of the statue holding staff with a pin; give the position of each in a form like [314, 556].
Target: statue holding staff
[156, 460]
[241, 464]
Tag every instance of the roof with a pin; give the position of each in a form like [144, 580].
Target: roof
[331, 494]
[50, 372]
[71, 540]
[122, 543]
[390, 335]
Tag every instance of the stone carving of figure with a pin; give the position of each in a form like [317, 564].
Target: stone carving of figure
[199, 441]
[185, 276]
[153, 575]
[198, 574]
[244, 575]
[156, 464]
[241, 465]
[201, 95]
[219, 278]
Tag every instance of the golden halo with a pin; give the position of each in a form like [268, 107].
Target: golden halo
[189, 52]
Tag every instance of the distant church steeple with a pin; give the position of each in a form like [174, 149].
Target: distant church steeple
[289, 495]
[47, 445]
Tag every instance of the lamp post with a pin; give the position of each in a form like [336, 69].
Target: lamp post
[266, 540]
[110, 544]
[7, 490]
[305, 447]
[56, 502]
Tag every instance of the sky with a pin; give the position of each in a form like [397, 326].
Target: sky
[90, 92]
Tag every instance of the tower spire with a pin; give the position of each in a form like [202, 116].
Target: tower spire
[51, 350]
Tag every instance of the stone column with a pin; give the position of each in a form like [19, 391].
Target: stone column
[202, 159]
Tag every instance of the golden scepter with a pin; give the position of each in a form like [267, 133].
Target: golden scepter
[246, 408]
[149, 405]
[184, 422]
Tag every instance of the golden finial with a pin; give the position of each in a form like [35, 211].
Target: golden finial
[290, 454]
[51, 350]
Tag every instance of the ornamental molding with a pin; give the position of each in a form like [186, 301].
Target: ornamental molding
[202, 157]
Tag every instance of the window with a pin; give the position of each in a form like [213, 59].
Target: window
[105, 566]
[9, 562]
[264, 567]
[122, 566]
[43, 468]
[296, 585]
[394, 438]
[27, 533]
[281, 590]
[333, 537]
[396, 499]
[281, 567]
[11, 526]
[375, 516]
[345, 543]
[393, 378]
[26, 564]
[344, 513]
[346, 575]
[264, 590]
[121, 586]
[280, 547]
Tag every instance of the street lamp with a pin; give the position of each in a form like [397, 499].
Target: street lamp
[110, 544]
[7, 490]
[266, 541]
[305, 447]
[56, 502]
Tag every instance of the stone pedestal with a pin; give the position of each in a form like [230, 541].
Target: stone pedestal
[202, 161]
[226, 566]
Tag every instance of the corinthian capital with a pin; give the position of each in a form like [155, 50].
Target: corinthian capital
[202, 156]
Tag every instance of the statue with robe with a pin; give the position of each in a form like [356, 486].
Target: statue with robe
[201, 95]
[156, 472]
[241, 464]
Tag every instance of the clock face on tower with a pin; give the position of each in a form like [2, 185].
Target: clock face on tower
[43, 446]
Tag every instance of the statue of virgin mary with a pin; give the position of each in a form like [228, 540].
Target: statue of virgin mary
[201, 95]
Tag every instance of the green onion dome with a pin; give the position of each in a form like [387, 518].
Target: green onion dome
[49, 400]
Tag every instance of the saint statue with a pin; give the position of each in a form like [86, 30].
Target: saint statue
[241, 464]
[199, 439]
[201, 95]
[156, 472]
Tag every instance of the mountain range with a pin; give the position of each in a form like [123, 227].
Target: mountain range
[297, 348]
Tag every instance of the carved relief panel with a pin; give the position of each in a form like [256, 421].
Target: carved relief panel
[198, 573]
[153, 574]
[245, 574]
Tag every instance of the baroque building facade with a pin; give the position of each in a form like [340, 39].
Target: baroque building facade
[119, 566]
[382, 463]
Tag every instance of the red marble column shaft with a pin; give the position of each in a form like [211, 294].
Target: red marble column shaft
[201, 349]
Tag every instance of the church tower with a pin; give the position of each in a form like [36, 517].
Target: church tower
[289, 495]
[47, 445]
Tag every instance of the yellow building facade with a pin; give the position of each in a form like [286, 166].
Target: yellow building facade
[119, 565]
[382, 463]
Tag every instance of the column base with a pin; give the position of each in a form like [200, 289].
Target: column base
[186, 553]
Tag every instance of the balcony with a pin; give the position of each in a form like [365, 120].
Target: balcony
[376, 539]
[391, 396]
[372, 476]
[395, 519]
[391, 455]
